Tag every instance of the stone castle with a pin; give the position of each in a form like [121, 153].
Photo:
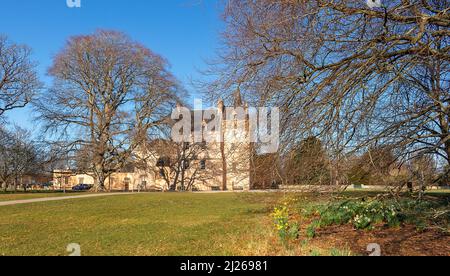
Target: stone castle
[214, 165]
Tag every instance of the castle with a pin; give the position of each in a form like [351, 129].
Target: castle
[167, 165]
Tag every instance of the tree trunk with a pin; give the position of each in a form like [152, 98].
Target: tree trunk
[15, 184]
[100, 185]
[422, 186]
[183, 177]
[447, 170]
[175, 180]
[224, 166]
[183, 167]
[447, 150]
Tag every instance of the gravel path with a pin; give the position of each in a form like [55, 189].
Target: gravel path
[46, 199]
[36, 200]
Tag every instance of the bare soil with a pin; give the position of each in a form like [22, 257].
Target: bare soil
[403, 241]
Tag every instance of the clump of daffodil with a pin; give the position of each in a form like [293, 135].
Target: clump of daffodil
[284, 228]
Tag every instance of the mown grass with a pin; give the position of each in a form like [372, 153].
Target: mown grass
[146, 224]
[166, 224]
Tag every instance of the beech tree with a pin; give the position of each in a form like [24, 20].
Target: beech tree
[18, 78]
[352, 75]
[108, 93]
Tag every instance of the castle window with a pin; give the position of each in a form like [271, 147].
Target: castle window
[203, 164]
[162, 173]
[185, 164]
[126, 182]
[163, 162]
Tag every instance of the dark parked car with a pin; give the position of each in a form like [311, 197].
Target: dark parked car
[82, 187]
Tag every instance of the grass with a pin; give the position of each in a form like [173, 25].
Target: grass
[177, 224]
[439, 192]
[146, 224]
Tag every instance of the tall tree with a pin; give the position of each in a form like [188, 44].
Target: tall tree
[18, 156]
[353, 75]
[423, 170]
[179, 164]
[308, 164]
[265, 170]
[18, 78]
[373, 167]
[109, 92]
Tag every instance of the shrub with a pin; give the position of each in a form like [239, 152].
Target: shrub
[311, 229]
[294, 231]
[362, 215]
[340, 253]
[368, 214]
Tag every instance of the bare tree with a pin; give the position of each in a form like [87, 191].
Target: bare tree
[180, 165]
[344, 72]
[6, 172]
[109, 92]
[373, 167]
[423, 171]
[18, 78]
[266, 171]
[308, 164]
[18, 156]
[183, 166]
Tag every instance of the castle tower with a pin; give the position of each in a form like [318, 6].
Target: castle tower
[236, 146]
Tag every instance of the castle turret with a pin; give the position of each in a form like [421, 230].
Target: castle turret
[238, 98]
[179, 107]
[221, 106]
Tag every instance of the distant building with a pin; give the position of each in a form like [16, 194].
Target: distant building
[35, 181]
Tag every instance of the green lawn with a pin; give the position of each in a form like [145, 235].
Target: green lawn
[146, 224]
[195, 224]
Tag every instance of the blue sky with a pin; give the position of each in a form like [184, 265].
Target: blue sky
[185, 32]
